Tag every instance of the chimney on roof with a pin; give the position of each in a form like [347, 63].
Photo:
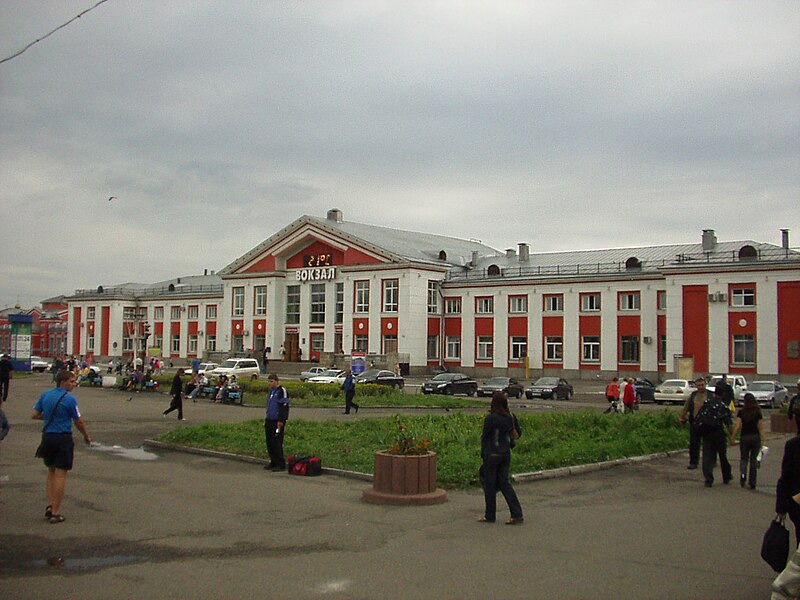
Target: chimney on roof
[785, 239]
[335, 215]
[524, 252]
[510, 253]
[474, 261]
[205, 271]
[709, 240]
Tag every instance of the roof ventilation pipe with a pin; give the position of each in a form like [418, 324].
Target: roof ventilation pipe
[709, 240]
[335, 215]
[524, 252]
[510, 253]
[785, 239]
[474, 261]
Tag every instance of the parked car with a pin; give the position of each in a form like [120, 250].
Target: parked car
[205, 367]
[673, 391]
[449, 384]
[241, 367]
[550, 387]
[312, 372]
[329, 376]
[767, 393]
[645, 390]
[737, 382]
[38, 364]
[381, 377]
[511, 387]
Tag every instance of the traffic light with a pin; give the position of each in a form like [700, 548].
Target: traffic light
[146, 331]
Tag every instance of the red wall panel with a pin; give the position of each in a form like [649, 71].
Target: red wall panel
[105, 313]
[735, 327]
[695, 325]
[76, 330]
[788, 326]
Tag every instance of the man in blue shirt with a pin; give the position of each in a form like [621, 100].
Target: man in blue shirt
[349, 387]
[275, 423]
[58, 408]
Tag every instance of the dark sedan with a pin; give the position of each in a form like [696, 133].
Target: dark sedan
[510, 386]
[449, 384]
[554, 388]
[645, 390]
[381, 377]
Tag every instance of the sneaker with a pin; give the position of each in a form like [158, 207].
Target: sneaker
[515, 521]
[691, 467]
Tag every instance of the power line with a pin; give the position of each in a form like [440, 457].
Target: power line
[47, 35]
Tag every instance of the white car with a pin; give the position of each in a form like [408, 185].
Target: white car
[330, 376]
[312, 372]
[38, 364]
[673, 390]
[767, 393]
[241, 367]
[737, 382]
[206, 366]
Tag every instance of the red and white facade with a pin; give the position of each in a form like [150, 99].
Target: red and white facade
[325, 287]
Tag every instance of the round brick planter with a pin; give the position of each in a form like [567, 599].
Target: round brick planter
[780, 423]
[405, 479]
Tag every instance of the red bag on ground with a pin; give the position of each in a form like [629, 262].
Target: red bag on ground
[304, 465]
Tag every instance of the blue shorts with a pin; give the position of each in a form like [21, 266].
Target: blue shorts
[57, 450]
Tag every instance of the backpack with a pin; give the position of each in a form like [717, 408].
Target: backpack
[707, 419]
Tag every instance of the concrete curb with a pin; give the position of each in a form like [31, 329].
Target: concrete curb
[248, 459]
[518, 478]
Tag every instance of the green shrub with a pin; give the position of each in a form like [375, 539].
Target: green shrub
[549, 440]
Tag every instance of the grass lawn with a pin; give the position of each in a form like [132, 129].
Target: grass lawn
[548, 441]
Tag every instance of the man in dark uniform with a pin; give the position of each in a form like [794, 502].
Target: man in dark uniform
[275, 423]
[5, 377]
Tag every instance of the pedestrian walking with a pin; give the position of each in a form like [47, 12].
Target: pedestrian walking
[349, 387]
[176, 393]
[612, 395]
[713, 421]
[4, 427]
[275, 423]
[787, 491]
[690, 407]
[794, 408]
[497, 440]
[629, 396]
[58, 408]
[6, 368]
[751, 423]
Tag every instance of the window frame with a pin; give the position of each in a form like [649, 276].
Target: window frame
[630, 349]
[193, 312]
[260, 300]
[391, 295]
[174, 313]
[292, 315]
[630, 301]
[554, 349]
[452, 347]
[237, 301]
[211, 312]
[484, 348]
[592, 344]
[553, 303]
[484, 305]
[518, 347]
[746, 343]
[518, 304]
[361, 296]
[433, 297]
[740, 295]
[317, 315]
[452, 305]
[591, 302]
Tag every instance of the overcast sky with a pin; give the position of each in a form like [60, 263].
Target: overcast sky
[567, 125]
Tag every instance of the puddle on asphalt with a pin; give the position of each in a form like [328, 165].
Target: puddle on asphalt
[90, 562]
[130, 453]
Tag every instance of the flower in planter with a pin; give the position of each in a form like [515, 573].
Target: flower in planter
[407, 442]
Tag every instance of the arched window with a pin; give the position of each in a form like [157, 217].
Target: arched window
[99, 289]
[442, 255]
[748, 253]
[633, 264]
[171, 287]
[493, 270]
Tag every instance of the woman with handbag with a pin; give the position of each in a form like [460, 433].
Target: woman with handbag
[500, 429]
[750, 421]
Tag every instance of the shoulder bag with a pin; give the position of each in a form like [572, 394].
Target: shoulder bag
[40, 449]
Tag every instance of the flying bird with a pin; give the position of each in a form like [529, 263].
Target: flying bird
[112, 198]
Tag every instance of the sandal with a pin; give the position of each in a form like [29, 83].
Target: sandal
[54, 518]
[48, 512]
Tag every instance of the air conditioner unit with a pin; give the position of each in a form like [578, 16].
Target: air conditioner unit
[722, 297]
[245, 333]
[712, 297]
[647, 339]
[200, 332]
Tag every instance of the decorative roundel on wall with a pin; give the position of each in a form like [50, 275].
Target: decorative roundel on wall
[388, 326]
[238, 326]
[260, 326]
[742, 322]
[361, 326]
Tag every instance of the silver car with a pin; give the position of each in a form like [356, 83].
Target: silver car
[767, 393]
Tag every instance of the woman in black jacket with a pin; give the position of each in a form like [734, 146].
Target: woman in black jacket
[789, 485]
[175, 392]
[496, 443]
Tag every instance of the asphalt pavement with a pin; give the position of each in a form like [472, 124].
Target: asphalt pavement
[173, 525]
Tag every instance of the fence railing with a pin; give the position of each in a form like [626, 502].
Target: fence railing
[179, 290]
[628, 266]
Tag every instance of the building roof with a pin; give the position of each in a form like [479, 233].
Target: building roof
[209, 285]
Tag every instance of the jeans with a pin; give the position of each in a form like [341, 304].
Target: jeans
[495, 473]
[749, 445]
[716, 443]
[694, 445]
[348, 401]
